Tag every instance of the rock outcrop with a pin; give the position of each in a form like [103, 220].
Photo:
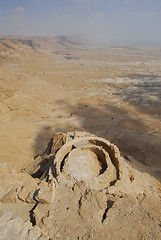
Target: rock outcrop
[79, 188]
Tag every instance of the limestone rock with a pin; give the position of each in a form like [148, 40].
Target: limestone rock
[45, 193]
[81, 188]
[15, 228]
[10, 196]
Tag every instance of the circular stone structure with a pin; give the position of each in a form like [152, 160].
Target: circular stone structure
[82, 164]
[87, 158]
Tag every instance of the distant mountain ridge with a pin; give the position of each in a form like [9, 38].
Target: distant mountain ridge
[11, 47]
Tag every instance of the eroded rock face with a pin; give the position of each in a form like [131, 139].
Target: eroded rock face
[80, 188]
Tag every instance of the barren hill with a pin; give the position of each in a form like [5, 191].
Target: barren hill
[81, 188]
[64, 84]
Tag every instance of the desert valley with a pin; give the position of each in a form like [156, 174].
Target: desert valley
[65, 84]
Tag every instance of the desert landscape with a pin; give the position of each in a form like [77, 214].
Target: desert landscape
[65, 84]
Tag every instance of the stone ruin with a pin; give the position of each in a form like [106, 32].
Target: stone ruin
[81, 157]
[80, 188]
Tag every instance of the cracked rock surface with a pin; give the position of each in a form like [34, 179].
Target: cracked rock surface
[79, 188]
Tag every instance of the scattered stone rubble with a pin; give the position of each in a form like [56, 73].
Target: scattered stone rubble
[79, 188]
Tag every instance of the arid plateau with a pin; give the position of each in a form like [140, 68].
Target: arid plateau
[80, 139]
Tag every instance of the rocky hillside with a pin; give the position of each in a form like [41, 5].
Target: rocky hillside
[79, 188]
[11, 50]
[13, 47]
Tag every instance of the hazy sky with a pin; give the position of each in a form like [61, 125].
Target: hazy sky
[135, 21]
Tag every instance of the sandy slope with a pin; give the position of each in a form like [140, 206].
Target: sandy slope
[114, 93]
[111, 92]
